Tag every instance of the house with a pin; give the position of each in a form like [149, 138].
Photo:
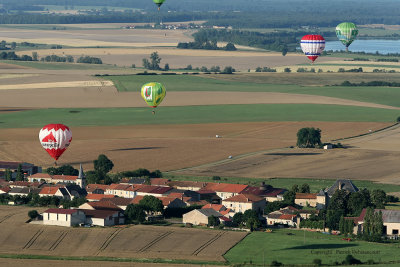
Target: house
[391, 222]
[243, 202]
[278, 218]
[121, 190]
[159, 181]
[275, 194]
[225, 191]
[220, 208]
[23, 191]
[104, 217]
[344, 184]
[120, 202]
[55, 191]
[209, 196]
[306, 199]
[63, 217]
[96, 188]
[199, 216]
[187, 185]
[79, 180]
[151, 190]
[97, 197]
[168, 202]
[99, 205]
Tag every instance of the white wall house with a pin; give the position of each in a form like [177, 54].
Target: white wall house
[63, 217]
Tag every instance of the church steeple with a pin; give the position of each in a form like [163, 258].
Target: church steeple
[81, 180]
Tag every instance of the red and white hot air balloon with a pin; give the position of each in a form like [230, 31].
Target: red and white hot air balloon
[312, 45]
[55, 139]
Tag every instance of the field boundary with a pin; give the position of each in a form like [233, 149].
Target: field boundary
[110, 259]
[108, 241]
[59, 240]
[154, 241]
[33, 239]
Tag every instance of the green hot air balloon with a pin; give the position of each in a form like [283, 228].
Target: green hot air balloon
[158, 3]
[346, 32]
[153, 93]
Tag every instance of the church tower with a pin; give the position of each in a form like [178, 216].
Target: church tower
[81, 180]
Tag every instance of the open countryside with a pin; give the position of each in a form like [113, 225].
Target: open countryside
[214, 173]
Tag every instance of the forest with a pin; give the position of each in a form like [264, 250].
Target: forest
[235, 13]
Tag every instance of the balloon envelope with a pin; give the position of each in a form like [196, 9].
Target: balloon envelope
[312, 46]
[55, 139]
[346, 32]
[158, 2]
[153, 93]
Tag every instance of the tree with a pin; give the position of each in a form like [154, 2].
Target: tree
[308, 137]
[20, 173]
[284, 50]
[238, 218]
[64, 169]
[213, 221]
[33, 214]
[358, 201]
[339, 201]
[189, 67]
[155, 61]
[92, 177]
[228, 70]
[166, 67]
[13, 45]
[378, 198]
[146, 63]
[287, 70]
[305, 188]
[135, 213]
[8, 175]
[103, 164]
[151, 204]
[35, 56]
[230, 47]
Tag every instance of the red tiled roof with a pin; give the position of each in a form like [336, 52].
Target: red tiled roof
[154, 189]
[275, 192]
[229, 188]
[224, 212]
[103, 205]
[216, 207]
[176, 195]
[98, 196]
[244, 198]
[91, 187]
[65, 177]
[187, 184]
[287, 216]
[61, 211]
[47, 190]
[205, 191]
[119, 201]
[223, 218]
[5, 189]
[306, 196]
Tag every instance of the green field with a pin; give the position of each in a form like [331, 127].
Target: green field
[196, 114]
[299, 247]
[380, 95]
[315, 184]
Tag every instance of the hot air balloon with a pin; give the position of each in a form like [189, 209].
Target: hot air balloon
[153, 93]
[158, 3]
[55, 139]
[346, 32]
[312, 46]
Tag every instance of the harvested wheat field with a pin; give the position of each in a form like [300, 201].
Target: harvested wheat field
[76, 263]
[138, 241]
[151, 146]
[372, 157]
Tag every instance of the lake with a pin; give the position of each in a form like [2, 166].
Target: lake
[368, 46]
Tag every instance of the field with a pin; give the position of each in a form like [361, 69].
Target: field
[298, 247]
[141, 242]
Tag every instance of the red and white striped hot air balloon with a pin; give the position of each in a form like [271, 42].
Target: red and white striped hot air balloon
[55, 139]
[312, 45]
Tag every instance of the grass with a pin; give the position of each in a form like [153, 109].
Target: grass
[315, 184]
[195, 115]
[303, 247]
[110, 259]
[380, 95]
[391, 66]
[60, 66]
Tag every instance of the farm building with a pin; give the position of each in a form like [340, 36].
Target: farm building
[27, 168]
[104, 217]
[79, 180]
[344, 184]
[63, 217]
[199, 217]
[391, 222]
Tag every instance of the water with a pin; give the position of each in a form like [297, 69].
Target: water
[368, 46]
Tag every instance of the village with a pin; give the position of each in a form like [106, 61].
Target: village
[191, 203]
